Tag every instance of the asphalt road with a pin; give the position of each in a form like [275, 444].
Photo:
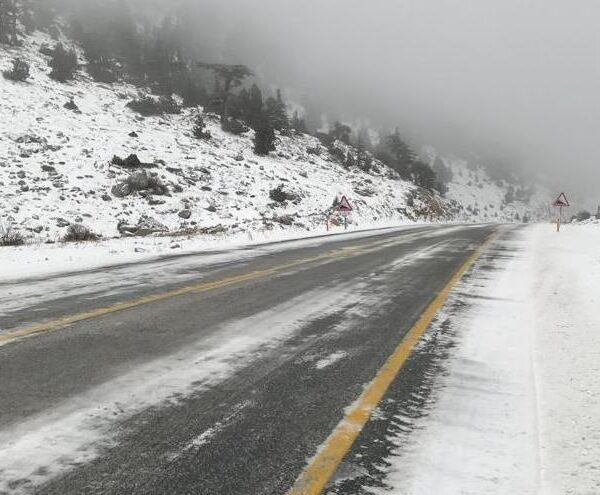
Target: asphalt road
[216, 388]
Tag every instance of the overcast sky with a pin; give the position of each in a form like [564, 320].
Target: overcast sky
[517, 79]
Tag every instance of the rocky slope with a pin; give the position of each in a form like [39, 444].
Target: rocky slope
[57, 168]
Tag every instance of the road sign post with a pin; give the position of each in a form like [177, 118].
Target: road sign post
[345, 208]
[559, 203]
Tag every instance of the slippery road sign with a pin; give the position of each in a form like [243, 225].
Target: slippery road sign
[561, 200]
[559, 203]
[344, 205]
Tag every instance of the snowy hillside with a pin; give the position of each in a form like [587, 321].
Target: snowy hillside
[483, 199]
[55, 167]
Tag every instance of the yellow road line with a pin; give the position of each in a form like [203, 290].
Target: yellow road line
[60, 323]
[314, 478]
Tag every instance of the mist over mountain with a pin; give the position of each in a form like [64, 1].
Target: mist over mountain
[511, 83]
[515, 80]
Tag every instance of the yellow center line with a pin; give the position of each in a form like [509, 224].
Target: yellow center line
[57, 324]
[322, 467]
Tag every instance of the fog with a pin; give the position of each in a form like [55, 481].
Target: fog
[515, 81]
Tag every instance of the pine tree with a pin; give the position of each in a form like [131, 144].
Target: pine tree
[193, 94]
[63, 63]
[199, 129]
[19, 72]
[27, 16]
[422, 175]
[8, 22]
[229, 77]
[341, 132]
[364, 159]
[277, 112]
[298, 124]
[443, 175]
[255, 106]
[264, 138]
[404, 157]
[364, 139]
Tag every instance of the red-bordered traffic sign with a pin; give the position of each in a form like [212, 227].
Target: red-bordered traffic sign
[344, 205]
[561, 200]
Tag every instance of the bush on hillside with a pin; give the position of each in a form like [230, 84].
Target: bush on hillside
[234, 126]
[583, 215]
[280, 195]
[72, 106]
[10, 237]
[102, 70]
[199, 131]
[79, 233]
[63, 63]
[19, 72]
[148, 106]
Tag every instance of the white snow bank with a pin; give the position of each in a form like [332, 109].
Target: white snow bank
[50, 259]
[517, 411]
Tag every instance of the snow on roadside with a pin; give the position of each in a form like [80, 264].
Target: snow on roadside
[567, 303]
[50, 259]
[517, 410]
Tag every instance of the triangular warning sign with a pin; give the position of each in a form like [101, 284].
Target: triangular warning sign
[561, 200]
[344, 204]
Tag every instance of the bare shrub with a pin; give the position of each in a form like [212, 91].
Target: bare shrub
[79, 233]
[10, 237]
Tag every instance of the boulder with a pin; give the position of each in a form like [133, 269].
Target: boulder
[121, 190]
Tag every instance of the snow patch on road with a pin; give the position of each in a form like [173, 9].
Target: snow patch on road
[330, 360]
[81, 428]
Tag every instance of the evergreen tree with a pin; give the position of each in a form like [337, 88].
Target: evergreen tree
[277, 113]
[404, 157]
[19, 72]
[8, 22]
[364, 139]
[509, 197]
[253, 113]
[63, 63]
[341, 132]
[443, 175]
[229, 78]
[298, 124]
[264, 138]
[364, 160]
[193, 93]
[27, 16]
[422, 175]
[199, 129]
[238, 105]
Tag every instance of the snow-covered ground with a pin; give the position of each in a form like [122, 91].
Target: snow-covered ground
[481, 197]
[55, 169]
[42, 260]
[518, 408]
[55, 166]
